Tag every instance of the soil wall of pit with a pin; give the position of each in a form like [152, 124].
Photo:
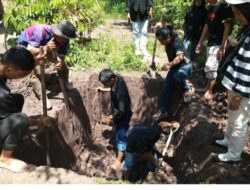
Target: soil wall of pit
[79, 142]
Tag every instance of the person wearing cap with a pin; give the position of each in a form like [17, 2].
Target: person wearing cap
[237, 82]
[50, 38]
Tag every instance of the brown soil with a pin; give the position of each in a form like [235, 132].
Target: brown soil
[42, 175]
[88, 148]
[78, 142]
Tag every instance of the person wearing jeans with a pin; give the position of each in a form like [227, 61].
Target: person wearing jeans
[179, 76]
[141, 141]
[138, 12]
[179, 67]
[121, 109]
[237, 82]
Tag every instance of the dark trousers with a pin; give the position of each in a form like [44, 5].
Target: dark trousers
[175, 75]
[14, 126]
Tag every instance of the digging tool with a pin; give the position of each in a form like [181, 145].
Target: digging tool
[100, 108]
[172, 131]
[65, 97]
[152, 69]
[45, 114]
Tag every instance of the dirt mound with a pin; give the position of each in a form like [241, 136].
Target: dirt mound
[200, 125]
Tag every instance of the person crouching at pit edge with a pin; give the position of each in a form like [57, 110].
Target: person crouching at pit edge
[17, 62]
[140, 144]
[179, 68]
[121, 109]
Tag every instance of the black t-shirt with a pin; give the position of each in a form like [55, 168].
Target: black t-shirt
[120, 101]
[7, 103]
[138, 9]
[195, 19]
[216, 17]
[174, 48]
[142, 138]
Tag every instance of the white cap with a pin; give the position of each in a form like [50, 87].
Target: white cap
[235, 2]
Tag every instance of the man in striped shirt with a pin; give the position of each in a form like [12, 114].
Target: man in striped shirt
[237, 82]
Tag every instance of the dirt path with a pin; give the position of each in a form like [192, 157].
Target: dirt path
[43, 175]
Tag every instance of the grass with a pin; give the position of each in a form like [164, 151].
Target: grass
[113, 8]
[105, 52]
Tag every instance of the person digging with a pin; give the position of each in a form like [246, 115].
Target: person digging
[15, 63]
[141, 141]
[121, 109]
[52, 38]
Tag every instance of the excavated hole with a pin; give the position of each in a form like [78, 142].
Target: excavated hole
[80, 143]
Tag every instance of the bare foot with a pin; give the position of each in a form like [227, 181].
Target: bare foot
[13, 165]
[207, 96]
[175, 124]
[116, 165]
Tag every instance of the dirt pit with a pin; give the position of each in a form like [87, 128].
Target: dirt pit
[78, 142]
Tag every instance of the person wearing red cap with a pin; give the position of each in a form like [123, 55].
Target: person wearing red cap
[237, 82]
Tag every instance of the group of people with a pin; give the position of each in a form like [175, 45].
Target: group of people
[38, 43]
[214, 23]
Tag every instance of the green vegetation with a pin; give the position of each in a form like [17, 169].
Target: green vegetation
[20, 14]
[105, 52]
[86, 15]
[114, 8]
[171, 11]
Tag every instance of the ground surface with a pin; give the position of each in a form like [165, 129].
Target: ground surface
[188, 159]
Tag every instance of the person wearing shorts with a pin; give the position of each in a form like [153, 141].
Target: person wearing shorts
[218, 27]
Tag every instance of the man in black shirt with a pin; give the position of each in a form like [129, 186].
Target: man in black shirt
[140, 143]
[139, 11]
[121, 108]
[178, 68]
[218, 27]
[195, 19]
[15, 63]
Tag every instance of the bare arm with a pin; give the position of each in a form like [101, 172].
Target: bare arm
[102, 89]
[177, 60]
[202, 39]
[227, 32]
[34, 51]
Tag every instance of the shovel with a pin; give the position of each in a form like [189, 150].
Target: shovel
[45, 114]
[172, 131]
[65, 97]
[152, 68]
[100, 107]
